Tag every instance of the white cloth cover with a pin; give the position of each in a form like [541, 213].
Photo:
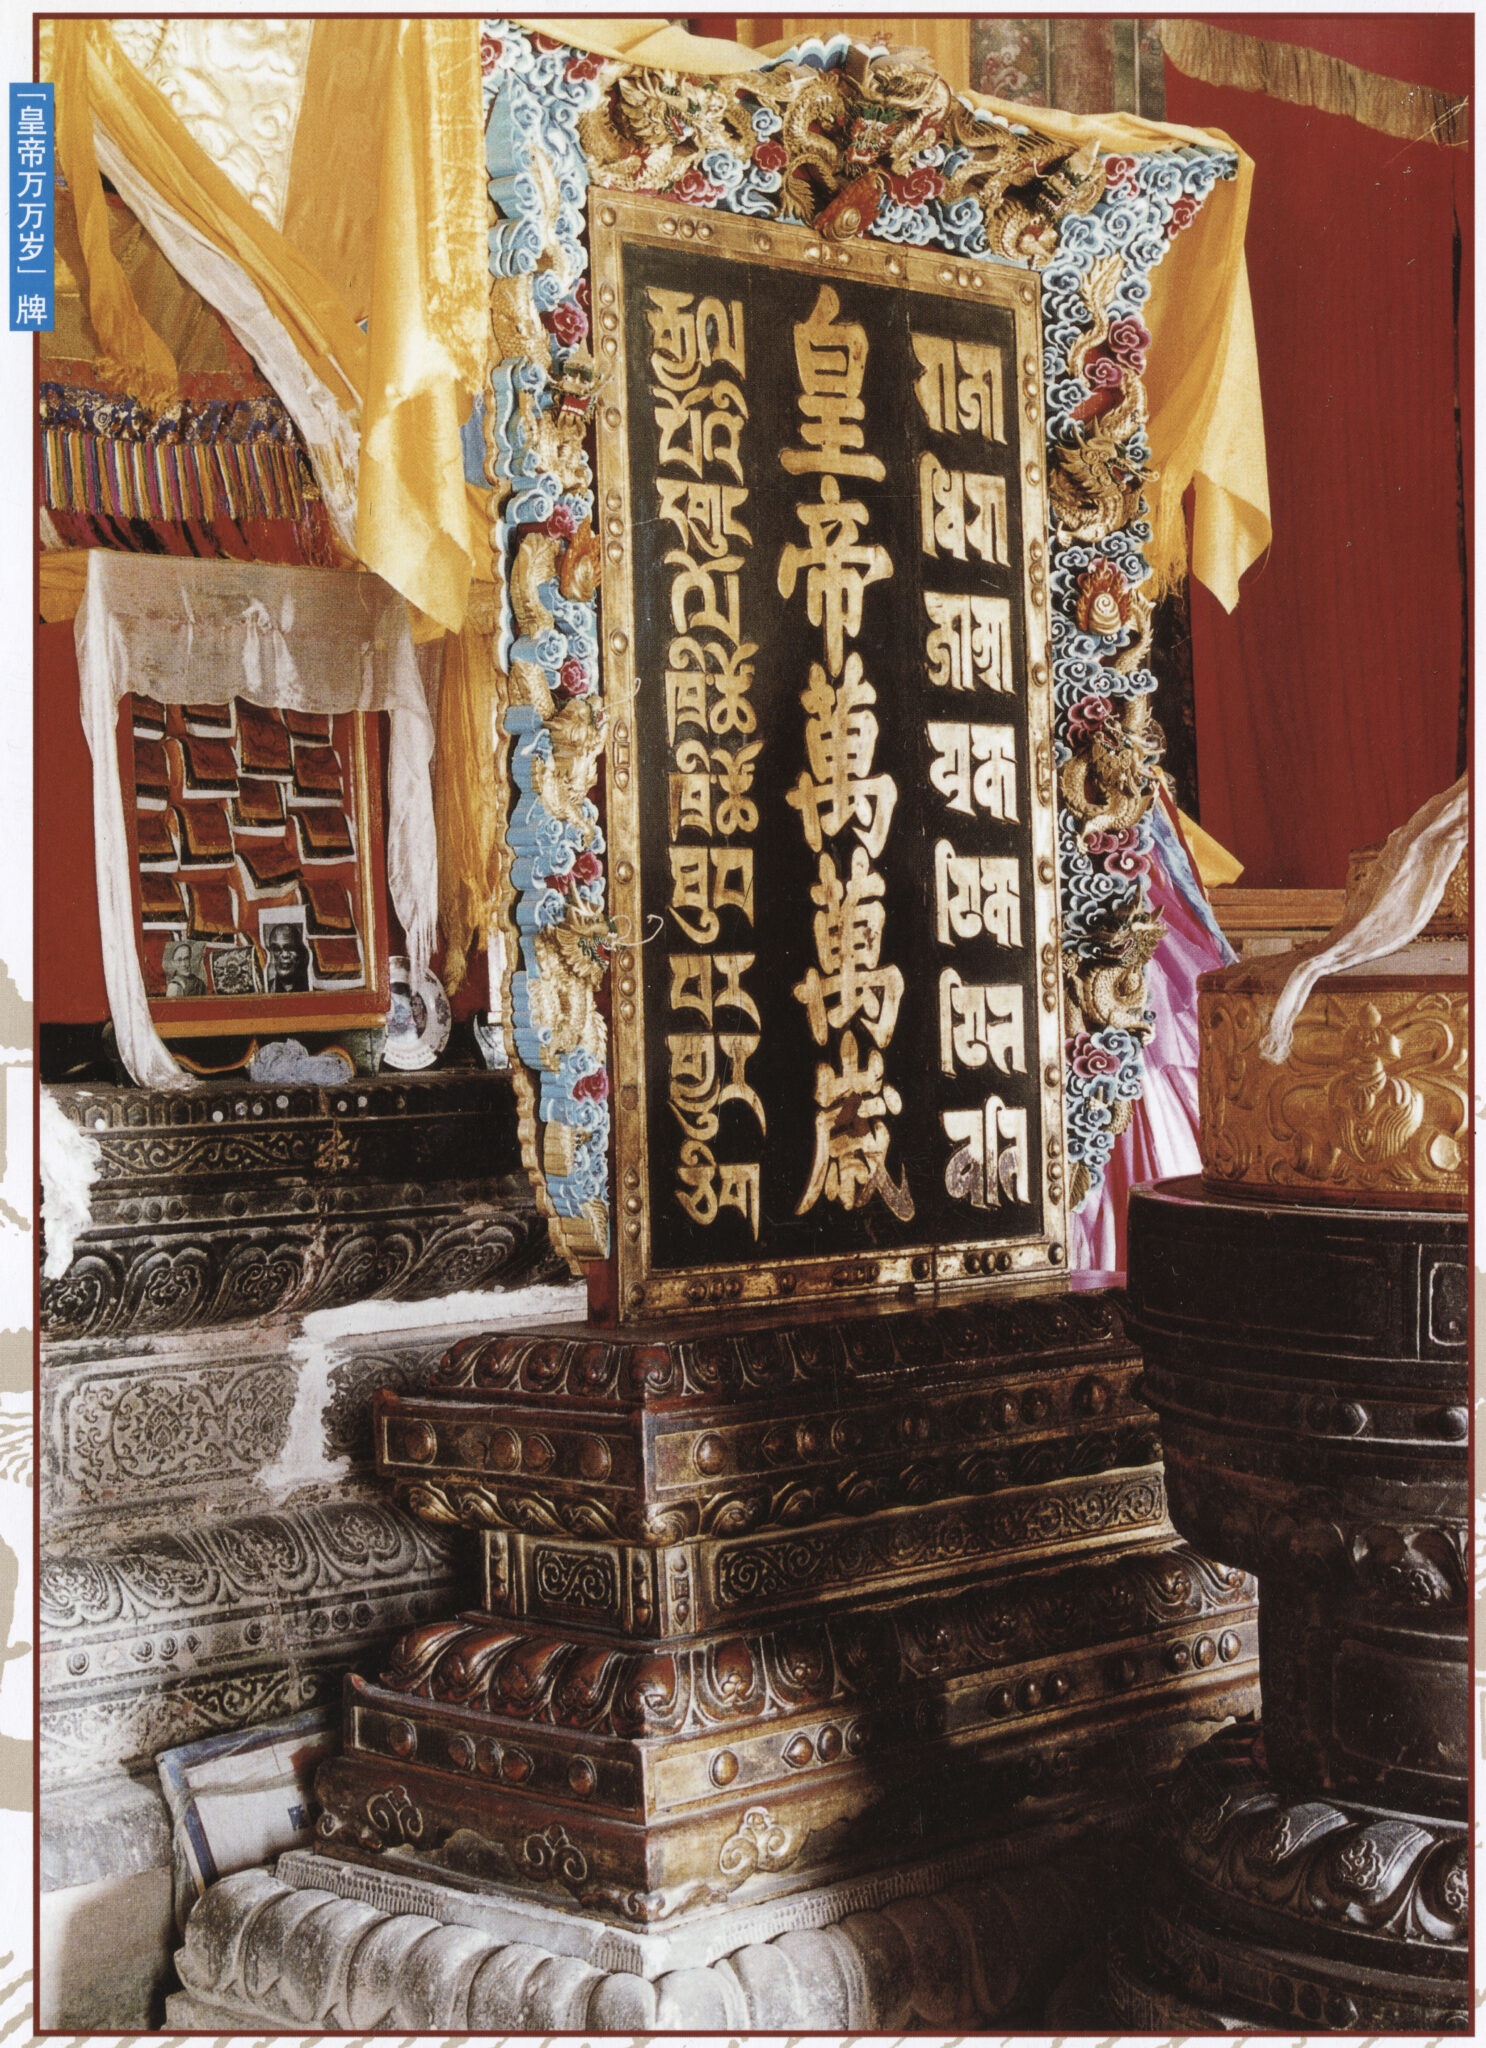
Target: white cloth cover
[69, 1161]
[202, 632]
[1389, 905]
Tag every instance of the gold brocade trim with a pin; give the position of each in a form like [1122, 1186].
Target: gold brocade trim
[1371, 1106]
[1310, 78]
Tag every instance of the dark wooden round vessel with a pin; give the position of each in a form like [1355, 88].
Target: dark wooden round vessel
[1309, 1365]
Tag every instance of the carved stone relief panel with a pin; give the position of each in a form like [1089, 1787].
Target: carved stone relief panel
[163, 1637]
[245, 1202]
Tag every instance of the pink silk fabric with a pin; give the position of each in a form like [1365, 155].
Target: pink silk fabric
[1161, 1140]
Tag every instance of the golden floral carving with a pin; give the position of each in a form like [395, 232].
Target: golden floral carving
[1370, 1106]
[846, 142]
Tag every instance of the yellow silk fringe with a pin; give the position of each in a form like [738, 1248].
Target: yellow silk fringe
[1311, 78]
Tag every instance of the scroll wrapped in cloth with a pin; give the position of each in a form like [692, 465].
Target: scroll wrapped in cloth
[1390, 904]
[204, 632]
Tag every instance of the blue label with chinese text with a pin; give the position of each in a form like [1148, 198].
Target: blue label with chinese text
[32, 279]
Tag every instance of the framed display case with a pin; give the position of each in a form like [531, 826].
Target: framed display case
[258, 866]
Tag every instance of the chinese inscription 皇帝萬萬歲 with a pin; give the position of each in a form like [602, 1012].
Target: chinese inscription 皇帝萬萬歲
[849, 989]
[837, 1048]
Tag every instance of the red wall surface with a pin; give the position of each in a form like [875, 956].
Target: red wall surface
[69, 953]
[1328, 703]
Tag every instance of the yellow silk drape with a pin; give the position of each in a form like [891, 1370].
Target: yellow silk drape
[427, 359]
[385, 220]
[426, 235]
[409, 380]
[130, 354]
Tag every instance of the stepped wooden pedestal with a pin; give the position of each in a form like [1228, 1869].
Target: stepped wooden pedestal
[1309, 1366]
[765, 1608]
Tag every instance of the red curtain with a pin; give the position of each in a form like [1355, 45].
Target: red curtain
[1328, 703]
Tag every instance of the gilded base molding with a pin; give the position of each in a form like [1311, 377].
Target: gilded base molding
[759, 1601]
[705, 1481]
[1372, 1104]
[490, 1803]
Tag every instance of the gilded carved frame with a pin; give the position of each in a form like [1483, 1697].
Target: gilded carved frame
[1038, 1257]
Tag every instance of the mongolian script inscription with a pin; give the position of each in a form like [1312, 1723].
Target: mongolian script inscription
[832, 837]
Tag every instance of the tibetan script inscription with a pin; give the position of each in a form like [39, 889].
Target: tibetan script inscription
[837, 1066]
[698, 355]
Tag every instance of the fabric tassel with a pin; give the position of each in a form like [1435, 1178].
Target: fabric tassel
[187, 480]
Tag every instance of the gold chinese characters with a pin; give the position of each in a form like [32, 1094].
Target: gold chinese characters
[849, 986]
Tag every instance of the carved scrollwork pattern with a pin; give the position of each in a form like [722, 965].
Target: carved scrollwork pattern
[584, 1582]
[550, 1857]
[760, 1845]
[1319, 1862]
[1319, 1537]
[620, 1371]
[510, 1669]
[394, 1816]
[764, 1572]
[226, 1271]
[1372, 1099]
